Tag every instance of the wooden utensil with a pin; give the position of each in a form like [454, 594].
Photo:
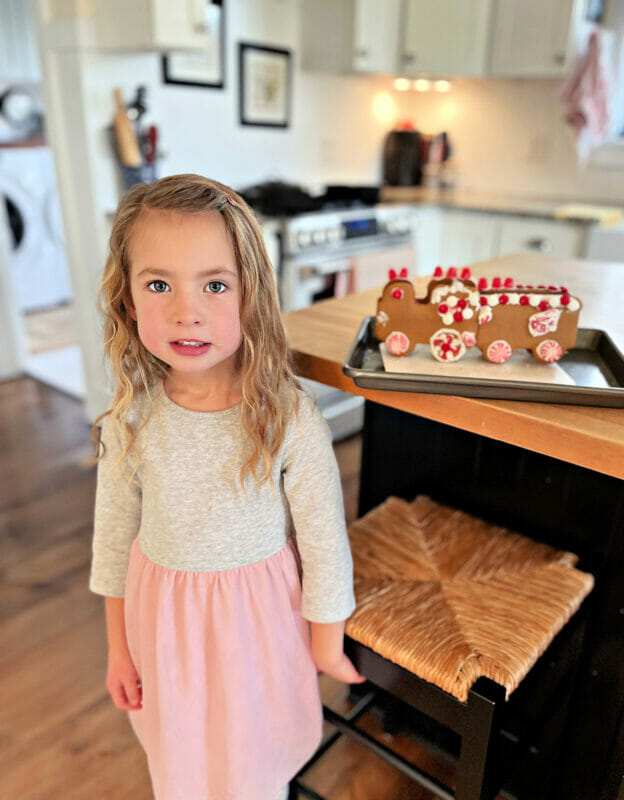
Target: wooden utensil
[127, 144]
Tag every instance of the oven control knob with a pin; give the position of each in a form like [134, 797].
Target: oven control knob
[334, 234]
[402, 225]
[304, 238]
[319, 236]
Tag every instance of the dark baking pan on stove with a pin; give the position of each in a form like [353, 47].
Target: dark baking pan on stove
[595, 365]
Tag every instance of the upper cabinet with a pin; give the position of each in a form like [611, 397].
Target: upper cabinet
[350, 35]
[502, 38]
[155, 24]
[445, 37]
[534, 38]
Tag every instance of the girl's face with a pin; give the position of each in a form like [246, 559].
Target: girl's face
[186, 292]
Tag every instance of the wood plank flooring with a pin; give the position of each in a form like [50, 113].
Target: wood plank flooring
[60, 736]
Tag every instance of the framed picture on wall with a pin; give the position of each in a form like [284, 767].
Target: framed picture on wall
[264, 85]
[205, 67]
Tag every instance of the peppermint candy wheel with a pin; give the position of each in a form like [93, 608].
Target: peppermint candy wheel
[549, 351]
[447, 345]
[498, 351]
[397, 343]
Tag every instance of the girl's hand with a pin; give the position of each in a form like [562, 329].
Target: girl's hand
[123, 682]
[341, 669]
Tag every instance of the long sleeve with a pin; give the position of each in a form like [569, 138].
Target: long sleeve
[312, 487]
[117, 520]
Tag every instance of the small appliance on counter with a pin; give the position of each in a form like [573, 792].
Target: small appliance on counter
[411, 158]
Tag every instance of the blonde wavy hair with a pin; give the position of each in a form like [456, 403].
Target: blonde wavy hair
[263, 359]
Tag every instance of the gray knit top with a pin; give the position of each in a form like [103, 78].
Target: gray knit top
[189, 511]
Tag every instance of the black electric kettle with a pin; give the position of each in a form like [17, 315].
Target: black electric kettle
[403, 157]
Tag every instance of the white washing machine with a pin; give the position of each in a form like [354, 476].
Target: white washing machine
[39, 260]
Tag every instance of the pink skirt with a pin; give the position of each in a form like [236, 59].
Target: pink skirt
[231, 706]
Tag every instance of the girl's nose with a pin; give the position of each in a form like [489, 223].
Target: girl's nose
[187, 311]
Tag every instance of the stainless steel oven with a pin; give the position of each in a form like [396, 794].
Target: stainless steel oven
[331, 253]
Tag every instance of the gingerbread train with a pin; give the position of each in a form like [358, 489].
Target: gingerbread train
[457, 313]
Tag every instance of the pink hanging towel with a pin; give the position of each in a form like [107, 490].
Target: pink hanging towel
[231, 706]
[585, 95]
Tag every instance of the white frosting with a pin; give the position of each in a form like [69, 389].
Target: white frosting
[514, 299]
[447, 318]
[382, 318]
[485, 314]
[468, 313]
[452, 301]
[574, 304]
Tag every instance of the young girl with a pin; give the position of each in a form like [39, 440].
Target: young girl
[219, 542]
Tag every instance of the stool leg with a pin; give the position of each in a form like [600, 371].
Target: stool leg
[474, 781]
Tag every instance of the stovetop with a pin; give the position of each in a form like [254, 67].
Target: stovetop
[279, 199]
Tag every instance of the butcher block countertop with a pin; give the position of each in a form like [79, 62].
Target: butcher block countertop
[591, 437]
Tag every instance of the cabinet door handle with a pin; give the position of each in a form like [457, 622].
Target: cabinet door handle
[361, 52]
[541, 244]
[409, 58]
[559, 58]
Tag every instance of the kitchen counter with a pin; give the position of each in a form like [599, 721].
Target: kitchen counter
[490, 202]
[551, 472]
[590, 437]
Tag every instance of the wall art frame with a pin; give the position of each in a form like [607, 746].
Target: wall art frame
[205, 69]
[265, 85]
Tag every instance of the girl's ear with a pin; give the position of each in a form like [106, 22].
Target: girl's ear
[129, 306]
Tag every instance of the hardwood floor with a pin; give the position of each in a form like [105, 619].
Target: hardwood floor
[60, 736]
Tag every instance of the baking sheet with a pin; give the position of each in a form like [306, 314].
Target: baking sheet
[593, 370]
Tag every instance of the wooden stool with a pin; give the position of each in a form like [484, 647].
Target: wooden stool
[452, 613]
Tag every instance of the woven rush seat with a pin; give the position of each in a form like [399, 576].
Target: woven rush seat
[451, 598]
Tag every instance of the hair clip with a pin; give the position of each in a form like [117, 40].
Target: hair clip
[231, 202]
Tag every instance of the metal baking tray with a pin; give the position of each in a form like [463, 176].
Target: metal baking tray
[594, 363]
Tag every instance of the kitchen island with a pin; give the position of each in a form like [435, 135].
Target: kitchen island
[552, 472]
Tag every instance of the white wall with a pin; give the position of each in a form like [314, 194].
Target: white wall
[509, 137]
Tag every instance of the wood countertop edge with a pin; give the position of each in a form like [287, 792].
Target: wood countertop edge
[504, 421]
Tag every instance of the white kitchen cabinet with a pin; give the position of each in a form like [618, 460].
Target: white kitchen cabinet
[445, 37]
[156, 24]
[371, 270]
[466, 237]
[532, 235]
[350, 35]
[534, 38]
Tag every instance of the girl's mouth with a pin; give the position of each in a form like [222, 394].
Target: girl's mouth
[190, 347]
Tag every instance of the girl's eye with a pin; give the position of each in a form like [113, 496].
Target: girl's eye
[216, 287]
[158, 286]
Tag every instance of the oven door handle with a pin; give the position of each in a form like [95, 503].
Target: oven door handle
[314, 270]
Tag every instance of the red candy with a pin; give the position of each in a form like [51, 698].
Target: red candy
[466, 274]
[397, 294]
[496, 283]
[461, 303]
[565, 300]
[458, 316]
[451, 272]
[552, 288]
[509, 283]
[482, 283]
[544, 305]
[483, 301]
[563, 289]
[437, 272]
[442, 308]
[503, 299]
[524, 300]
